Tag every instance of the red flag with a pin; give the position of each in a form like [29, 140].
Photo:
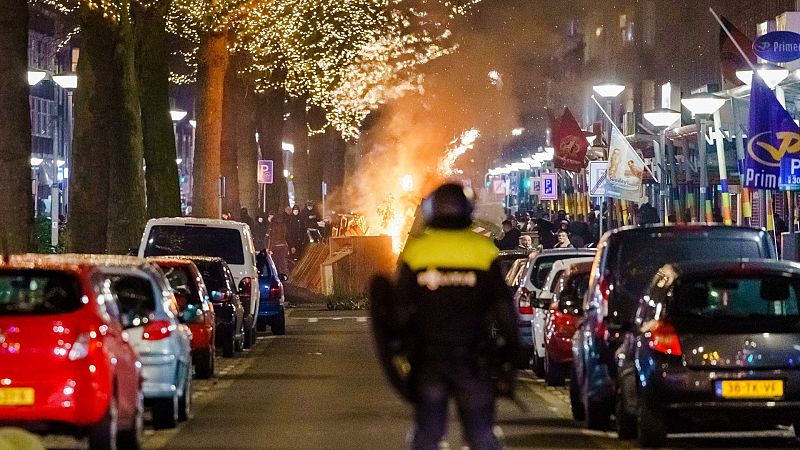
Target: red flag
[730, 58]
[569, 142]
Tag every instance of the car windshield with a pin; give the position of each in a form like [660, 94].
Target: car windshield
[38, 292]
[225, 243]
[213, 275]
[180, 277]
[640, 256]
[763, 302]
[136, 298]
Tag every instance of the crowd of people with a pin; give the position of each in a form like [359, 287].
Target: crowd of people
[284, 234]
[555, 229]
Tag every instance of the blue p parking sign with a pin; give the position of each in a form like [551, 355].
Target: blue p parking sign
[549, 187]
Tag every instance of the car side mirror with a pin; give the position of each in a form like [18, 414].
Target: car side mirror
[182, 298]
[283, 277]
[539, 302]
[220, 297]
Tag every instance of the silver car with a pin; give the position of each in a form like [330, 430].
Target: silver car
[162, 343]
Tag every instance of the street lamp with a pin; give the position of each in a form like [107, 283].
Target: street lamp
[287, 147]
[35, 76]
[609, 91]
[663, 119]
[67, 80]
[771, 74]
[517, 131]
[177, 114]
[702, 106]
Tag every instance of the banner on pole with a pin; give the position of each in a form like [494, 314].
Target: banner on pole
[549, 187]
[570, 143]
[773, 144]
[625, 170]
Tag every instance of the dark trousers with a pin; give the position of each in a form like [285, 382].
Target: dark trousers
[435, 383]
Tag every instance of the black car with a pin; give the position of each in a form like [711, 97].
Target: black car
[629, 258]
[715, 346]
[228, 308]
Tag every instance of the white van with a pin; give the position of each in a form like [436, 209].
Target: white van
[225, 239]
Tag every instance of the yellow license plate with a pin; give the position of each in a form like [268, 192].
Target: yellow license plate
[750, 388]
[16, 396]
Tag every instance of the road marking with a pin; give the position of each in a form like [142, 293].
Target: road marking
[313, 320]
[317, 319]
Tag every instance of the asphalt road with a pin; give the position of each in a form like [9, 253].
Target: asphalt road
[319, 387]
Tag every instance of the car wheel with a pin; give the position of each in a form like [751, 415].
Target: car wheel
[103, 434]
[537, 364]
[261, 325]
[204, 369]
[626, 423]
[240, 340]
[279, 325]
[552, 372]
[228, 342]
[185, 401]
[131, 439]
[249, 336]
[575, 404]
[598, 415]
[651, 426]
[165, 413]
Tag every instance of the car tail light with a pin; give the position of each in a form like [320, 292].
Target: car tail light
[82, 347]
[525, 302]
[157, 330]
[662, 337]
[245, 286]
[275, 291]
[563, 322]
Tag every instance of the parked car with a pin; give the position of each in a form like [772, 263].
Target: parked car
[627, 260]
[561, 320]
[161, 341]
[514, 275]
[65, 365]
[507, 258]
[714, 347]
[272, 310]
[195, 310]
[228, 309]
[532, 282]
[226, 239]
[541, 306]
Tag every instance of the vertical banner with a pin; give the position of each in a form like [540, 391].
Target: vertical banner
[625, 170]
[570, 143]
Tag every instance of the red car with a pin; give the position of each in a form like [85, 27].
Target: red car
[195, 309]
[561, 321]
[65, 364]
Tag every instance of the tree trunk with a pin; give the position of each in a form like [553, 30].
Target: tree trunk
[319, 150]
[232, 102]
[211, 66]
[15, 129]
[247, 155]
[161, 176]
[298, 136]
[270, 136]
[126, 201]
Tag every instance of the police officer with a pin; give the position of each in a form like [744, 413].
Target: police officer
[451, 280]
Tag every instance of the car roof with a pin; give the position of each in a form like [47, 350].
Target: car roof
[208, 259]
[99, 260]
[172, 261]
[618, 233]
[34, 261]
[567, 251]
[197, 221]
[520, 253]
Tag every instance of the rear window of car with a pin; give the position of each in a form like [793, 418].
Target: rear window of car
[136, 298]
[740, 303]
[38, 292]
[213, 275]
[639, 256]
[507, 263]
[543, 264]
[180, 277]
[225, 243]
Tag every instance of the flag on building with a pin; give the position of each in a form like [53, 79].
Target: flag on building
[569, 142]
[773, 136]
[730, 58]
[625, 170]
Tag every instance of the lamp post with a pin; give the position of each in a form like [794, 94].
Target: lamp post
[608, 91]
[69, 82]
[663, 119]
[702, 106]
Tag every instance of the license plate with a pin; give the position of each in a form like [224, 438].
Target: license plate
[16, 396]
[749, 388]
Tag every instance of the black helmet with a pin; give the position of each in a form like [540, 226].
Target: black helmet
[448, 207]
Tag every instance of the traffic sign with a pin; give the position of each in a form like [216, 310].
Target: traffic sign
[597, 178]
[265, 171]
[549, 187]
